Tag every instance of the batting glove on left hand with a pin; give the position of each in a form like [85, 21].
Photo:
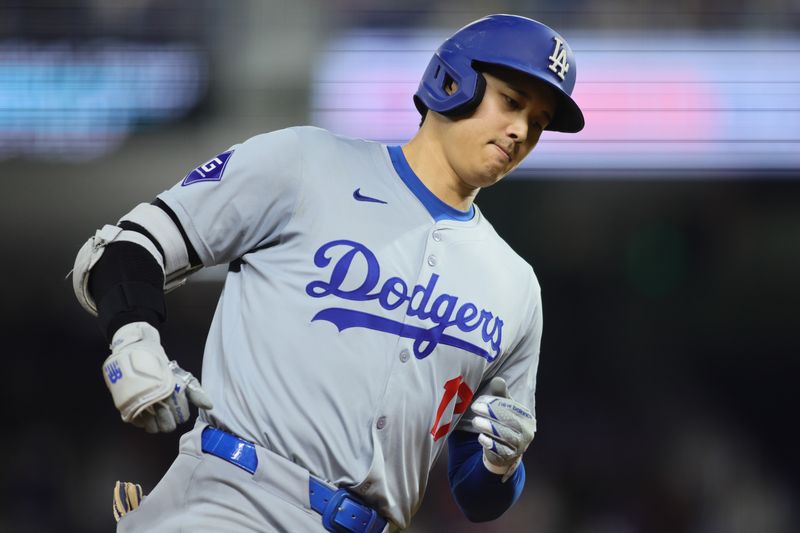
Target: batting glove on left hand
[149, 390]
[506, 428]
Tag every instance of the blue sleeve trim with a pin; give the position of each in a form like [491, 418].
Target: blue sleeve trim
[480, 494]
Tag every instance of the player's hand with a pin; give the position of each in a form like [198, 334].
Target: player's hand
[150, 391]
[127, 497]
[506, 428]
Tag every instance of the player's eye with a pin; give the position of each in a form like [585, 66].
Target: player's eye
[511, 103]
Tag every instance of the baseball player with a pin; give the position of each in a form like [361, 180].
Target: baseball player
[370, 316]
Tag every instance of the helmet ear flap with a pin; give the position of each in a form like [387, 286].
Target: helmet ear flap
[470, 105]
[437, 91]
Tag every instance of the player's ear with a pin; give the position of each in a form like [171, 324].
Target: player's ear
[451, 87]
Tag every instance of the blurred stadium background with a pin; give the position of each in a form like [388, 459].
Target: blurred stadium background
[665, 236]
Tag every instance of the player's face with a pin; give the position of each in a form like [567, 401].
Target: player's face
[502, 131]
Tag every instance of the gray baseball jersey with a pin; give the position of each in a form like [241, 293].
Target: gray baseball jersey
[360, 314]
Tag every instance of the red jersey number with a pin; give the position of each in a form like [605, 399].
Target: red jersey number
[455, 390]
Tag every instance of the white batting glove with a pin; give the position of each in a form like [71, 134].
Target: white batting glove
[506, 429]
[150, 391]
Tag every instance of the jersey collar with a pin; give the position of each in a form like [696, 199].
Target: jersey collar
[437, 208]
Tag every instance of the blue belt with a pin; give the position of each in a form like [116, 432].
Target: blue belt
[341, 511]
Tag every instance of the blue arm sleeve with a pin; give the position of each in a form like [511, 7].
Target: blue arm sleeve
[479, 493]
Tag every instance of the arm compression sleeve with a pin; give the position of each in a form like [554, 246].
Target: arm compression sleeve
[479, 493]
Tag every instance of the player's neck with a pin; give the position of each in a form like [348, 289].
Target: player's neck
[426, 158]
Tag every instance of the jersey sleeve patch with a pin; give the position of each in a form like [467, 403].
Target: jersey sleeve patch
[210, 171]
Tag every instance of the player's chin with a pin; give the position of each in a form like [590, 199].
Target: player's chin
[494, 173]
[485, 180]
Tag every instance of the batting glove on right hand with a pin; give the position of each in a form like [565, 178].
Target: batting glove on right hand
[150, 391]
[506, 428]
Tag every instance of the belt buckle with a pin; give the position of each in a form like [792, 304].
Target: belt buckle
[345, 514]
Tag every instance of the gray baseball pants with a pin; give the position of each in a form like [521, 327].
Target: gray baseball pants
[201, 492]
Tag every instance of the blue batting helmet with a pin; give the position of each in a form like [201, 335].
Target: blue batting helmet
[509, 41]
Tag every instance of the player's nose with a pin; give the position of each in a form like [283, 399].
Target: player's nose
[518, 129]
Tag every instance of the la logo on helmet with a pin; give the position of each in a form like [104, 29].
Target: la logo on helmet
[558, 59]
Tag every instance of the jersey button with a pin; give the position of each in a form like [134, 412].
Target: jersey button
[404, 356]
[381, 423]
[432, 260]
[437, 236]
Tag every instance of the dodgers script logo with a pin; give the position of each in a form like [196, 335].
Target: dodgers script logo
[444, 310]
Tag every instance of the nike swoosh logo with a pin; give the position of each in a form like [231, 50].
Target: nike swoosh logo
[361, 198]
